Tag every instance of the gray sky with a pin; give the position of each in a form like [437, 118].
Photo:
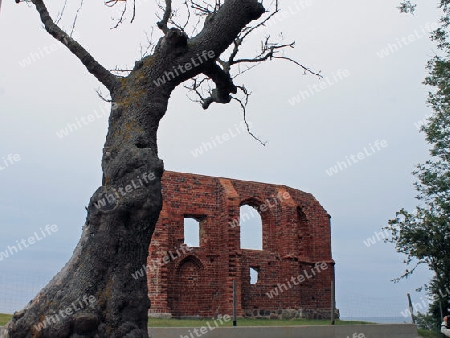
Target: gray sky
[368, 96]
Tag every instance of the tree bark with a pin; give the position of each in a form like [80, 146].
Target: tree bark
[95, 295]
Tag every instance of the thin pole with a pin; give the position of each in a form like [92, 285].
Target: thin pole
[410, 308]
[234, 303]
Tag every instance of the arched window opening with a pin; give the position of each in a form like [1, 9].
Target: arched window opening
[251, 228]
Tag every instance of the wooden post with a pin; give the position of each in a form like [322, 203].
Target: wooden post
[234, 303]
[411, 310]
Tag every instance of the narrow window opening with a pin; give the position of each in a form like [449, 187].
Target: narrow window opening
[191, 232]
[304, 234]
[253, 275]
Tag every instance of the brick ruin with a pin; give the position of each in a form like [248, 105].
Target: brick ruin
[198, 281]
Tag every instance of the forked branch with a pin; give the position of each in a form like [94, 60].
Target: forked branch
[224, 86]
[206, 9]
[95, 68]
[166, 16]
[113, 3]
[407, 272]
[220, 72]
[269, 51]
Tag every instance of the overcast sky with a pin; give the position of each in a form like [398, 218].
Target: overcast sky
[363, 114]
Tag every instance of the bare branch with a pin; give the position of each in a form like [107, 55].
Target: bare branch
[188, 16]
[122, 14]
[100, 95]
[112, 3]
[240, 72]
[221, 75]
[134, 12]
[60, 14]
[196, 25]
[305, 69]
[96, 69]
[165, 19]
[224, 85]
[249, 29]
[268, 52]
[76, 17]
[244, 110]
[195, 86]
[172, 21]
[121, 70]
[407, 272]
[150, 45]
[201, 10]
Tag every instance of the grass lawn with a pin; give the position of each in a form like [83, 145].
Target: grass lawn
[4, 319]
[153, 322]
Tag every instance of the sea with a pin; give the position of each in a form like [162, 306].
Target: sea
[380, 320]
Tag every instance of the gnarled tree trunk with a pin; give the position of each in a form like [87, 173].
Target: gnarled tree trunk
[95, 295]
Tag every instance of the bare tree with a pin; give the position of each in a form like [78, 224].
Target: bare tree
[94, 295]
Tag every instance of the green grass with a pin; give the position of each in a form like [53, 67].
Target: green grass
[429, 334]
[4, 318]
[153, 322]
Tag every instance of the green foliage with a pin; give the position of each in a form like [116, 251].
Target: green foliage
[423, 235]
[407, 7]
[428, 334]
[427, 322]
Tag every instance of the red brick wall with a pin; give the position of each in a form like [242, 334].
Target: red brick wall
[198, 281]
